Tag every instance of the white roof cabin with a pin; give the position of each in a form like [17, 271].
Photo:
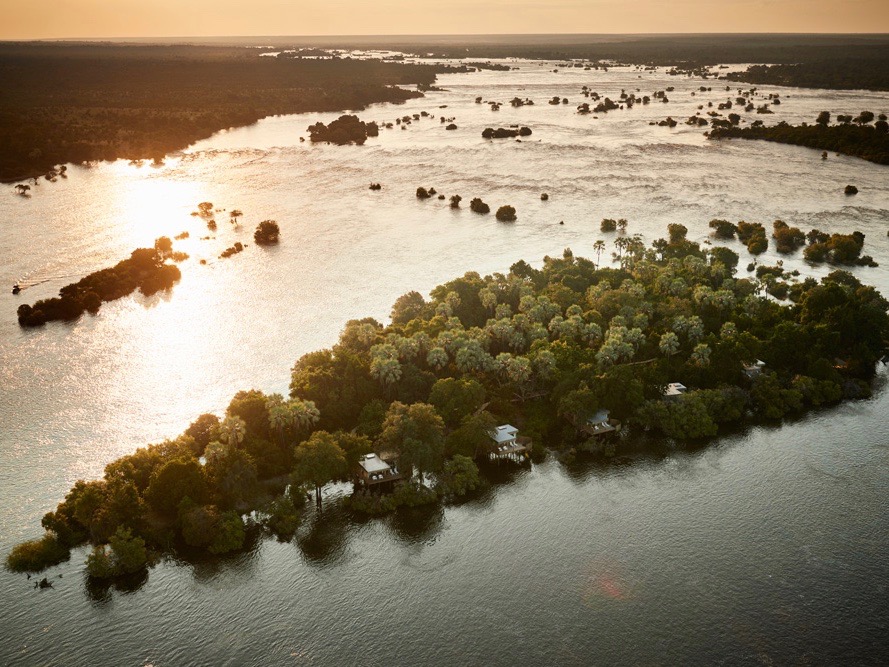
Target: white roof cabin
[504, 434]
[372, 463]
[601, 417]
[754, 369]
[675, 389]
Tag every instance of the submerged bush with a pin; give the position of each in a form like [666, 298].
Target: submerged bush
[506, 214]
[36, 555]
[267, 233]
[478, 206]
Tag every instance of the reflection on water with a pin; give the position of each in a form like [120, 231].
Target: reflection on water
[766, 546]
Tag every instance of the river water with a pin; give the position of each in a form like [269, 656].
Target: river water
[766, 547]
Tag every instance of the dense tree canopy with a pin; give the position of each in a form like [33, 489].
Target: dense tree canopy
[543, 348]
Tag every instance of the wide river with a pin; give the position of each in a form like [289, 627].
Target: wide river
[769, 546]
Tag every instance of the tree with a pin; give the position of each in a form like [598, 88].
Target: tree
[416, 433]
[599, 248]
[579, 405]
[234, 216]
[669, 344]
[408, 307]
[823, 118]
[230, 472]
[455, 398]
[124, 554]
[478, 206]
[253, 408]
[174, 481]
[206, 526]
[202, 430]
[318, 460]
[459, 476]
[472, 438]
[506, 214]
[232, 430]
[267, 233]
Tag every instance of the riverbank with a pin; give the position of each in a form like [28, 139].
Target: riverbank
[74, 103]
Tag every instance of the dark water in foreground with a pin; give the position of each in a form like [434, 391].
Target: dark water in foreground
[768, 547]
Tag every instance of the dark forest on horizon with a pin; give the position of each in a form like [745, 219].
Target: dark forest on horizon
[64, 103]
[73, 102]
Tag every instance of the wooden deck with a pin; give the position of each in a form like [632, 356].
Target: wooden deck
[611, 426]
[515, 451]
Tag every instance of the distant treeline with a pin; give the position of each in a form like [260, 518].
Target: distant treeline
[869, 142]
[76, 103]
[804, 61]
[864, 73]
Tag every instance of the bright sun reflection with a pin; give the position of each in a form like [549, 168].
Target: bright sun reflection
[153, 204]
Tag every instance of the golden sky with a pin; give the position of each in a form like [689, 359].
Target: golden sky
[172, 18]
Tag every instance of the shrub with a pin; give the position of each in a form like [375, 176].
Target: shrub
[608, 225]
[478, 206]
[506, 214]
[36, 555]
[267, 233]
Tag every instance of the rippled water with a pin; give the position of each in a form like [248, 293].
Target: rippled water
[766, 547]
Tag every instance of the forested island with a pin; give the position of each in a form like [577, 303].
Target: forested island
[78, 103]
[545, 349]
[850, 136]
[146, 269]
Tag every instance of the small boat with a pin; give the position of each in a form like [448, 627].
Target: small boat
[16, 289]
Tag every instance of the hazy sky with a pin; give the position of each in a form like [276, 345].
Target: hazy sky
[147, 18]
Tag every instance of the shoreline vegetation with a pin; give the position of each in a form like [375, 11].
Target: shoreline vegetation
[146, 270]
[79, 103]
[549, 350]
[856, 136]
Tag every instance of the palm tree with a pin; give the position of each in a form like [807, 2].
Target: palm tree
[233, 430]
[303, 414]
[599, 247]
[279, 415]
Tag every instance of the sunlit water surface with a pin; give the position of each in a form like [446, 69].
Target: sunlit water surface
[767, 547]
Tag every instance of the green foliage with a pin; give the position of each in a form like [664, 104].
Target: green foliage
[252, 407]
[456, 398]
[124, 554]
[202, 430]
[864, 141]
[282, 517]
[685, 417]
[37, 555]
[230, 472]
[471, 438]
[144, 270]
[458, 477]
[172, 482]
[319, 460]
[416, 433]
[476, 205]
[533, 347]
[506, 214]
[207, 527]
[772, 400]
[723, 229]
[408, 307]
